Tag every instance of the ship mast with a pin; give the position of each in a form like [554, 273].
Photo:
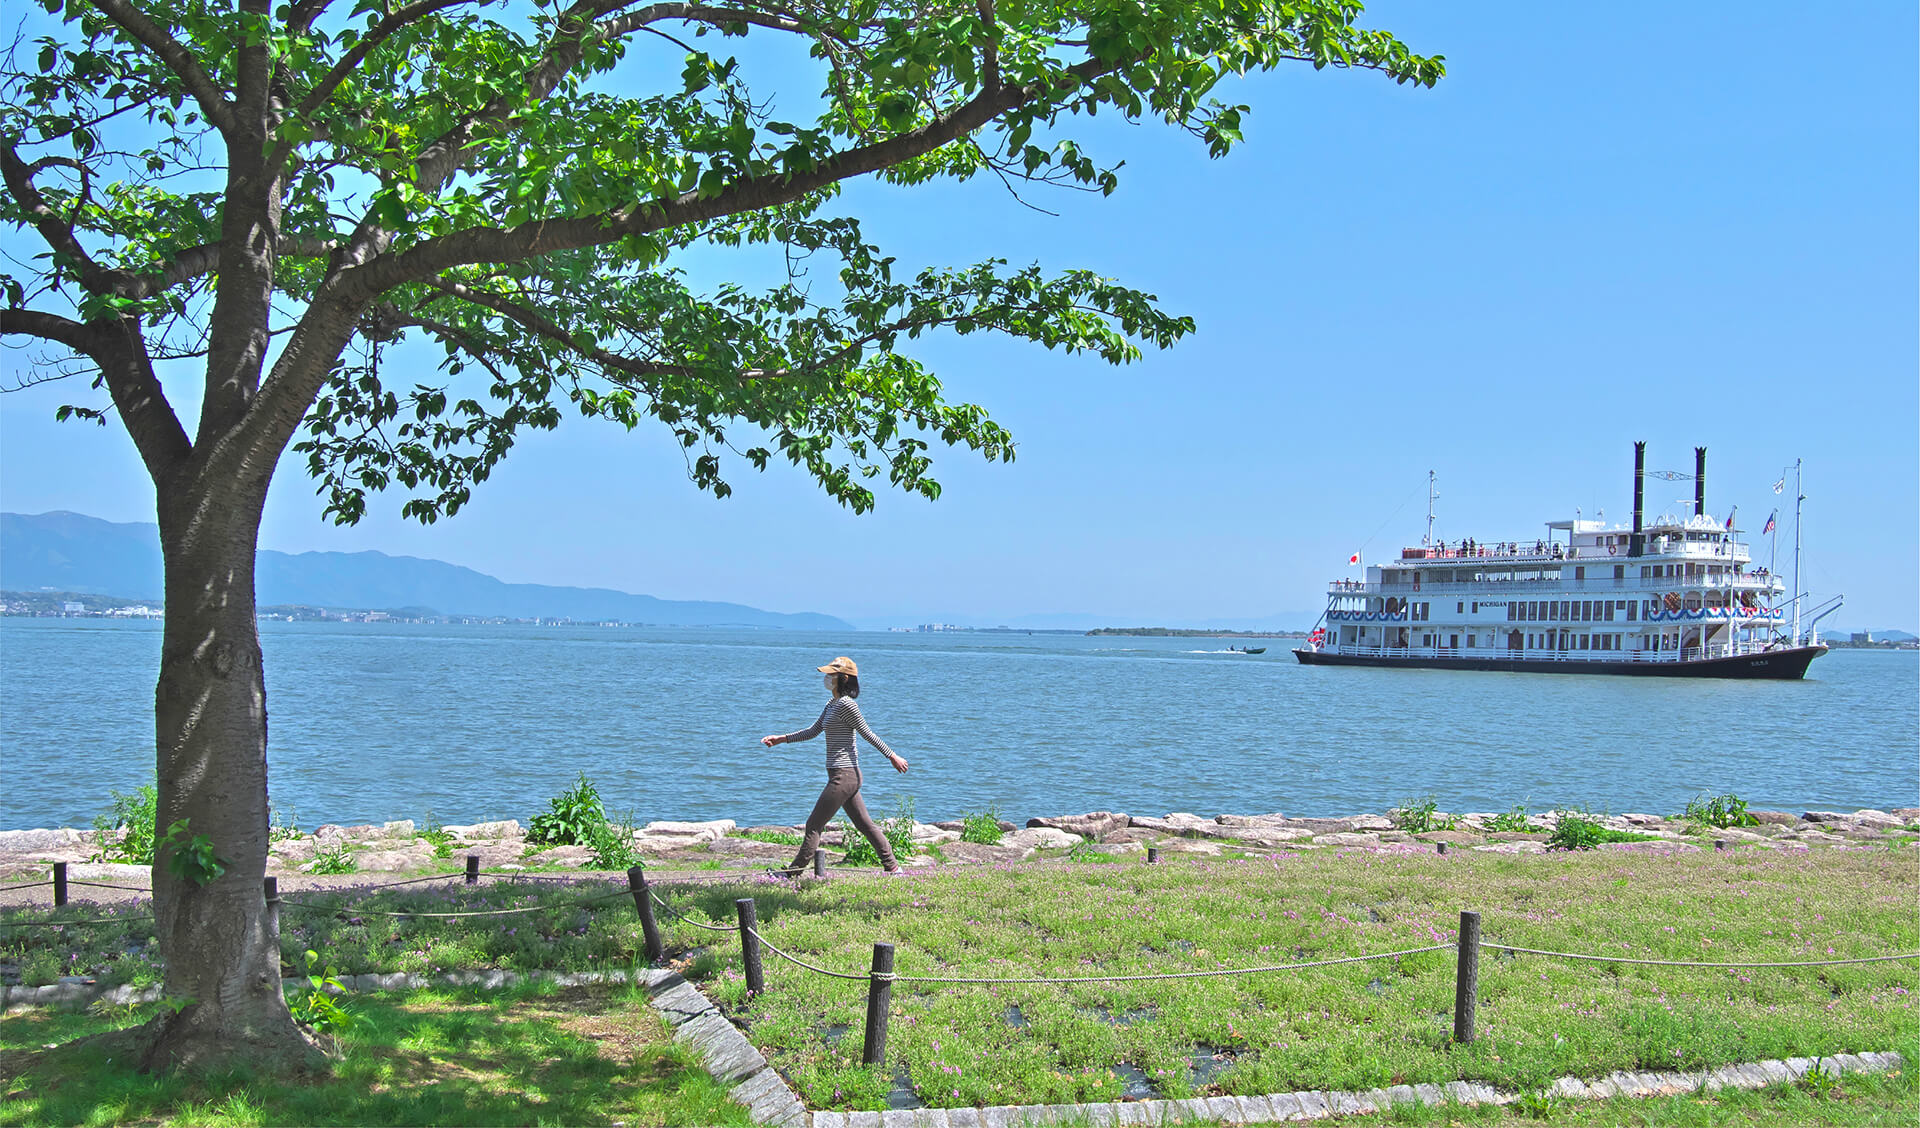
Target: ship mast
[1431, 495]
[1799, 495]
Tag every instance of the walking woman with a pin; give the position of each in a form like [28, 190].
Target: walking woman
[840, 720]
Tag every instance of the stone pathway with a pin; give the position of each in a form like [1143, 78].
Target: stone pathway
[1278, 1107]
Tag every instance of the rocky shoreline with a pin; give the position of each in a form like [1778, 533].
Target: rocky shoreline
[401, 848]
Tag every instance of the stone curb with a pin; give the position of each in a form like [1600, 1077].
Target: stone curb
[1276, 1107]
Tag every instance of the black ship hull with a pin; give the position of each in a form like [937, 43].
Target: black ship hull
[1785, 664]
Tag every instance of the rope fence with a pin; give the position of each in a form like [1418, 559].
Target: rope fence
[881, 976]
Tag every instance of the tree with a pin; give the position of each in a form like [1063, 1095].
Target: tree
[264, 199]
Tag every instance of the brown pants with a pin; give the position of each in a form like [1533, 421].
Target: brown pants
[842, 791]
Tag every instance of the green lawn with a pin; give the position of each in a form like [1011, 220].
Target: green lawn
[432, 1057]
[1353, 1027]
[1358, 1026]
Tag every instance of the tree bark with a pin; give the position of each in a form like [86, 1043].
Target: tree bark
[222, 948]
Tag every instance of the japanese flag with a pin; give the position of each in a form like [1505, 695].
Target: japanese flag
[1354, 559]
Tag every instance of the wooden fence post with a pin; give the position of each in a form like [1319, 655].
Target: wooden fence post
[1153, 855]
[59, 884]
[1439, 847]
[473, 869]
[750, 945]
[643, 901]
[879, 998]
[1466, 980]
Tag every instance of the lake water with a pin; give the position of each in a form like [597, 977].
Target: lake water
[371, 722]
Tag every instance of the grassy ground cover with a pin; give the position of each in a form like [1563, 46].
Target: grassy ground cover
[1352, 1027]
[580, 1056]
[1355, 1027]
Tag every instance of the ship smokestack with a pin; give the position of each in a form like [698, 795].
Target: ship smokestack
[1637, 544]
[1699, 481]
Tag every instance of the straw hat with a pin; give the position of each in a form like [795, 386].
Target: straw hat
[842, 665]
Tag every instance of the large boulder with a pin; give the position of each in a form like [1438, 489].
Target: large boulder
[1347, 839]
[1274, 819]
[1041, 838]
[484, 831]
[1773, 818]
[1320, 826]
[691, 831]
[1262, 835]
[1179, 824]
[927, 834]
[62, 840]
[1095, 825]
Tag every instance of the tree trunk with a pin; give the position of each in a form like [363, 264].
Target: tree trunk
[222, 948]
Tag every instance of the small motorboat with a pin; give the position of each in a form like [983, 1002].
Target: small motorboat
[1247, 649]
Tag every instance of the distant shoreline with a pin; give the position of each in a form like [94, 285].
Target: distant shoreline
[1176, 632]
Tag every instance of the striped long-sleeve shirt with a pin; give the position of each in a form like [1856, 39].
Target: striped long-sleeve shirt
[840, 720]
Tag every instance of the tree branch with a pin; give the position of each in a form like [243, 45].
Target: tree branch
[117, 349]
[55, 229]
[178, 59]
[433, 257]
[324, 89]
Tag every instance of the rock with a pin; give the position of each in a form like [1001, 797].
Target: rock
[1908, 815]
[1095, 826]
[1117, 848]
[1878, 820]
[692, 831]
[1516, 835]
[35, 841]
[328, 832]
[1825, 817]
[974, 853]
[1814, 836]
[1641, 820]
[363, 832]
[293, 851]
[1347, 839]
[1521, 847]
[119, 873]
[401, 829]
[379, 861]
[576, 856]
[1179, 823]
[1042, 838]
[1321, 826]
[507, 828]
[794, 830]
[926, 834]
[1772, 818]
[1262, 835]
[1372, 822]
[748, 848]
[1450, 837]
[1189, 846]
[1276, 819]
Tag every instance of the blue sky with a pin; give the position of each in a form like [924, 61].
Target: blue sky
[1693, 225]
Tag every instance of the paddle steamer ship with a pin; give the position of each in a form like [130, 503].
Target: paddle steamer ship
[1678, 596]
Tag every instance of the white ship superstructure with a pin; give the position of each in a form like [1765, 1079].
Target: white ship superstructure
[1678, 595]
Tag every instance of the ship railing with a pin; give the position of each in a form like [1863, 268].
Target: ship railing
[1678, 654]
[1503, 552]
[1495, 590]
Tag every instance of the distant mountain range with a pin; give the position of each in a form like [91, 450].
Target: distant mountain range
[72, 552]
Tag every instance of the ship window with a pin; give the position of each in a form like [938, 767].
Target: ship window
[1633, 607]
[1607, 608]
[1460, 607]
[1513, 612]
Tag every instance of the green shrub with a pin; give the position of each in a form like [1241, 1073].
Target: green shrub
[1582, 830]
[611, 841]
[318, 1007]
[571, 818]
[1720, 811]
[437, 836]
[126, 833]
[336, 859]
[899, 832]
[279, 830]
[1416, 816]
[981, 826]
[1513, 819]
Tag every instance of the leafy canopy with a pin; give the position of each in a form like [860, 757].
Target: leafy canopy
[518, 182]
